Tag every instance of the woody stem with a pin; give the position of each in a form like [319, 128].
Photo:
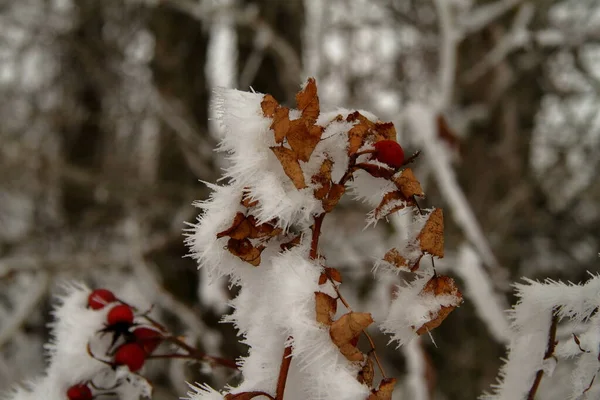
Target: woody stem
[287, 352]
[194, 353]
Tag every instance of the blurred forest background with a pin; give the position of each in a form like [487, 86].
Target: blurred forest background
[106, 133]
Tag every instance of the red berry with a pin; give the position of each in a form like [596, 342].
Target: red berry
[120, 314]
[100, 298]
[389, 152]
[79, 392]
[148, 338]
[132, 355]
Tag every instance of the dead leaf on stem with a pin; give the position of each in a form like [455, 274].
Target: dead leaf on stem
[308, 101]
[326, 307]
[384, 391]
[281, 123]
[269, 105]
[408, 184]
[291, 165]
[440, 285]
[367, 373]
[431, 238]
[347, 328]
[323, 177]
[245, 250]
[303, 138]
[394, 257]
[239, 229]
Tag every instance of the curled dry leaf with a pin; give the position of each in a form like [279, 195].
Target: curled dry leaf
[245, 250]
[326, 307]
[356, 138]
[281, 123]
[394, 257]
[391, 202]
[239, 229]
[290, 165]
[408, 184]
[347, 328]
[269, 105]
[258, 231]
[323, 177]
[366, 374]
[330, 273]
[246, 199]
[303, 138]
[440, 285]
[308, 101]
[384, 391]
[385, 131]
[431, 238]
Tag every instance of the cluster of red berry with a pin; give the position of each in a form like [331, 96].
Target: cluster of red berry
[139, 341]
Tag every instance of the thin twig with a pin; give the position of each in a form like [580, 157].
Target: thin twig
[195, 354]
[286, 360]
[549, 353]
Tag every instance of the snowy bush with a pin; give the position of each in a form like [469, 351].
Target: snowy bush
[261, 228]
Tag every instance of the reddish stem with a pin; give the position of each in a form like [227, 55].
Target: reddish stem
[549, 353]
[283, 371]
[316, 232]
[195, 354]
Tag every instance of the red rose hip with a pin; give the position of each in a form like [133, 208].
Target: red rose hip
[148, 338]
[99, 298]
[120, 314]
[132, 355]
[389, 152]
[79, 392]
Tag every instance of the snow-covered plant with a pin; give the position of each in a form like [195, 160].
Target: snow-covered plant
[98, 345]
[289, 169]
[535, 347]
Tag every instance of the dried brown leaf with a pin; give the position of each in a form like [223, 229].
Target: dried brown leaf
[281, 124]
[366, 374]
[326, 307]
[269, 105]
[245, 250]
[258, 231]
[308, 101]
[431, 238]
[290, 165]
[440, 285]
[356, 138]
[384, 391]
[394, 257]
[385, 131]
[391, 202]
[347, 328]
[334, 274]
[323, 177]
[303, 138]
[239, 229]
[408, 184]
[246, 201]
